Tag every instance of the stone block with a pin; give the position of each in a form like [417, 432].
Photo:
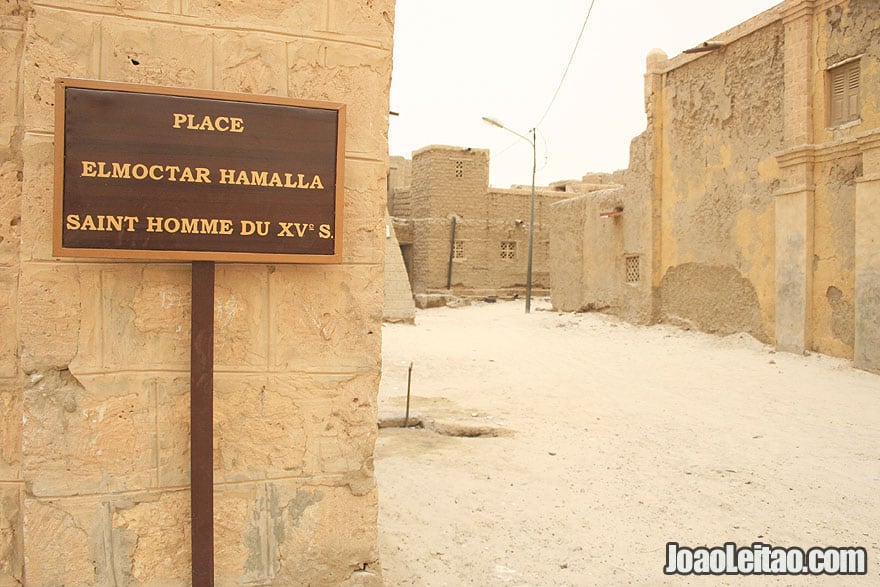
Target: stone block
[242, 532]
[10, 430]
[337, 73]
[155, 54]
[293, 425]
[11, 547]
[35, 210]
[10, 59]
[364, 213]
[61, 43]
[251, 64]
[326, 318]
[146, 320]
[93, 435]
[371, 20]
[241, 336]
[49, 304]
[62, 540]
[338, 415]
[285, 533]
[10, 212]
[151, 537]
[289, 16]
[258, 429]
[324, 534]
[139, 539]
[9, 319]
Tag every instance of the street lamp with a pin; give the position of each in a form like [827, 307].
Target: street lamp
[531, 141]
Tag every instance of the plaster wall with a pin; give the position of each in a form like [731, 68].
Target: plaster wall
[589, 248]
[721, 125]
[757, 213]
[94, 361]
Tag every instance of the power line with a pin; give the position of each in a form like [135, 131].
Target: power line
[570, 59]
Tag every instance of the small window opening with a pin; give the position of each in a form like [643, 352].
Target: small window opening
[459, 169]
[508, 249]
[458, 250]
[633, 266]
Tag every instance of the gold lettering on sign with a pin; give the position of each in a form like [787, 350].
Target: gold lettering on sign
[189, 225]
[208, 123]
[141, 171]
[270, 179]
[100, 223]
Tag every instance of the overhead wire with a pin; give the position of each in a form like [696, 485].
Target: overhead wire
[556, 93]
[568, 65]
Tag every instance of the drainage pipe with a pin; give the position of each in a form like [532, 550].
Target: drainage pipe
[451, 254]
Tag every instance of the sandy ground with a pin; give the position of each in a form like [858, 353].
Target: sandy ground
[612, 440]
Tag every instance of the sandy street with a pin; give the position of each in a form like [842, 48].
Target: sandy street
[610, 441]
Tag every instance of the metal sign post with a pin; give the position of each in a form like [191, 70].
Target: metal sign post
[202, 423]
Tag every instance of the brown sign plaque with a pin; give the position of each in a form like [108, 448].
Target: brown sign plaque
[166, 173]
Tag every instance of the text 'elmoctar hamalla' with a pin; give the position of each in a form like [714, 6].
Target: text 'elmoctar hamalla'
[186, 174]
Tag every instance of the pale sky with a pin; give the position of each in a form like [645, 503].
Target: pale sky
[456, 61]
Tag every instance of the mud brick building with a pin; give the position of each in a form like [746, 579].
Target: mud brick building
[462, 237]
[752, 200]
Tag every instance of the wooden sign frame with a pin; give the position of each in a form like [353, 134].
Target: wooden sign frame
[160, 173]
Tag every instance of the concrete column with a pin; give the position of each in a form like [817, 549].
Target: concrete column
[867, 257]
[794, 201]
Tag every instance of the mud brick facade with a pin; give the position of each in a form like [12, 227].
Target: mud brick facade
[752, 199]
[445, 189]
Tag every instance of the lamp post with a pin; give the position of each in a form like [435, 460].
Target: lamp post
[531, 141]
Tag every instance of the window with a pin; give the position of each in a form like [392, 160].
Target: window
[459, 169]
[458, 250]
[508, 249]
[843, 84]
[633, 274]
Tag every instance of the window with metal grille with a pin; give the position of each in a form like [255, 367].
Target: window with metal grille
[458, 250]
[632, 269]
[508, 249]
[843, 83]
[459, 169]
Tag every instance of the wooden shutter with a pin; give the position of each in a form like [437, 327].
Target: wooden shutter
[852, 86]
[844, 93]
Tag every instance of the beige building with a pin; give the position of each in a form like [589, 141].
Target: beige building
[752, 200]
[94, 356]
[461, 237]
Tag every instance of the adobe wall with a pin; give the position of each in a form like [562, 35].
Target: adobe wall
[589, 248]
[721, 126]
[94, 361]
[754, 211]
[447, 182]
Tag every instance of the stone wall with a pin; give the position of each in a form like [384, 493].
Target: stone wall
[94, 432]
